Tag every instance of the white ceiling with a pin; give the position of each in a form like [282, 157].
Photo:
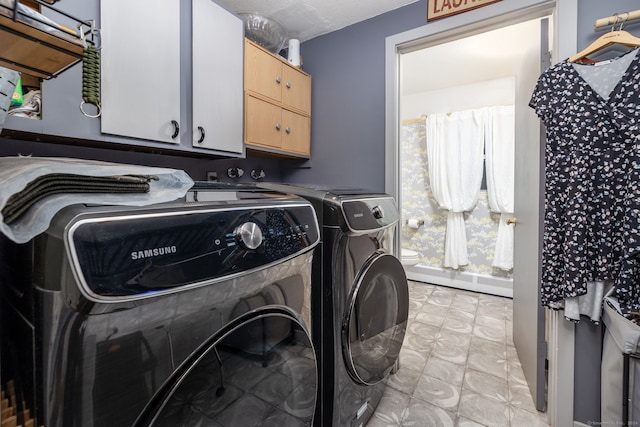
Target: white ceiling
[306, 19]
[486, 56]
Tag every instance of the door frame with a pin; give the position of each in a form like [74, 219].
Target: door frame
[501, 14]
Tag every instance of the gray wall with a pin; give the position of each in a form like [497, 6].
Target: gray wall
[347, 101]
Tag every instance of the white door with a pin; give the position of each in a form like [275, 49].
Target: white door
[528, 314]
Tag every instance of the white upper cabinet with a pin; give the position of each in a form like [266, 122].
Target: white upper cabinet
[140, 72]
[217, 40]
[173, 78]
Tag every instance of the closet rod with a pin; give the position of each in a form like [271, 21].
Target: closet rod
[620, 18]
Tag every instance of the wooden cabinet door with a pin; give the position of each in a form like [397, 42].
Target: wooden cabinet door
[296, 133]
[217, 92]
[263, 123]
[262, 73]
[140, 68]
[277, 104]
[296, 89]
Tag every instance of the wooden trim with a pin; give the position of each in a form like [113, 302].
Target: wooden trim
[413, 121]
[263, 151]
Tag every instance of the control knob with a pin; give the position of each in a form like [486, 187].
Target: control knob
[377, 212]
[249, 235]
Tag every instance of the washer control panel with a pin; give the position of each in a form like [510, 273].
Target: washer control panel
[151, 252]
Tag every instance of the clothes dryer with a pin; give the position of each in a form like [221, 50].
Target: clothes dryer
[360, 300]
[180, 314]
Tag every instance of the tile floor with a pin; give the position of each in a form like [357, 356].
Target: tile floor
[458, 366]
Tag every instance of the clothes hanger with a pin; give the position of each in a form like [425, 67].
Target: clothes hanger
[620, 37]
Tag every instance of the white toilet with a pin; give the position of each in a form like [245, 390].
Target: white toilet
[409, 258]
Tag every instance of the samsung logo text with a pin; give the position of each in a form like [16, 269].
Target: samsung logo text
[150, 253]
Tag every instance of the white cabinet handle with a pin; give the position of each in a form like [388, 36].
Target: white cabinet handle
[278, 126]
[288, 85]
[278, 79]
[288, 130]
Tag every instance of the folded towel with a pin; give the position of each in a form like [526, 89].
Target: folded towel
[47, 185]
[34, 189]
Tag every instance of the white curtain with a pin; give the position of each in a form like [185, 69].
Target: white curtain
[454, 151]
[500, 158]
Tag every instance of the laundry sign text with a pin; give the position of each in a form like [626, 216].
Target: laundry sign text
[437, 9]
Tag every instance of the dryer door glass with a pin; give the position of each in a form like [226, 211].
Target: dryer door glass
[375, 319]
[251, 375]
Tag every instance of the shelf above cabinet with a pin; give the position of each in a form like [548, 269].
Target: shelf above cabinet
[34, 45]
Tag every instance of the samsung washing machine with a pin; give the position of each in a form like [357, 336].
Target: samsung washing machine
[361, 291]
[181, 314]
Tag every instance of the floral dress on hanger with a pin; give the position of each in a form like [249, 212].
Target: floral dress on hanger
[592, 188]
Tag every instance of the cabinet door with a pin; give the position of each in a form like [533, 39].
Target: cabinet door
[141, 68]
[263, 123]
[296, 89]
[218, 63]
[296, 133]
[263, 72]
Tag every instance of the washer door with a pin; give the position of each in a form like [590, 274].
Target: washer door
[249, 375]
[375, 319]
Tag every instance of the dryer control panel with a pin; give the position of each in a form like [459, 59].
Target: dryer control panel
[146, 254]
[370, 214]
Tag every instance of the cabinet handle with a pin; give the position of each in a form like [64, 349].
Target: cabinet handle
[201, 129]
[278, 79]
[176, 129]
[288, 85]
[277, 126]
[288, 130]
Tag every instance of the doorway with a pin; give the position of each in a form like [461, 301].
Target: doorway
[506, 65]
[528, 316]
[474, 81]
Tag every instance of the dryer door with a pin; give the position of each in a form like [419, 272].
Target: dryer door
[375, 319]
[246, 375]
